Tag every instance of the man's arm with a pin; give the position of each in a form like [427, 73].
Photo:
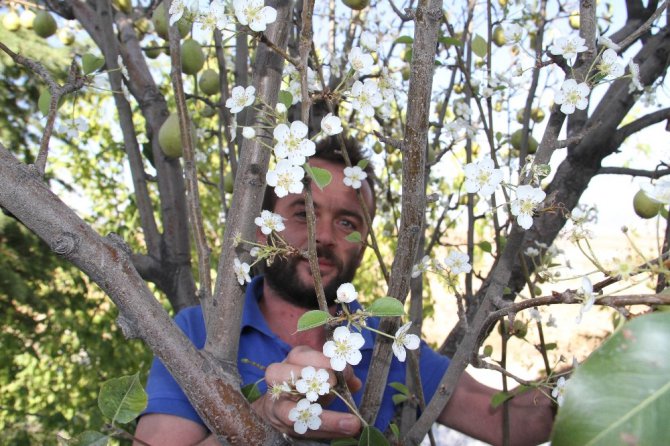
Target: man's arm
[469, 411]
[158, 429]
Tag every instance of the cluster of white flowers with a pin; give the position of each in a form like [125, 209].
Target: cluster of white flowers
[361, 62]
[610, 64]
[72, 127]
[305, 415]
[482, 177]
[659, 191]
[559, 391]
[513, 33]
[365, 97]
[344, 348]
[346, 293]
[424, 265]
[403, 340]
[568, 47]
[291, 151]
[241, 270]
[527, 200]
[292, 82]
[457, 262]
[212, 14]
[572, 95]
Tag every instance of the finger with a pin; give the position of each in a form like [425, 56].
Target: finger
[333, 424]
[306, 356]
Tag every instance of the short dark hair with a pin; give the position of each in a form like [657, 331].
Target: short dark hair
[328, 149]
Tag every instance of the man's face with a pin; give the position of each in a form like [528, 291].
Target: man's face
[338, 214]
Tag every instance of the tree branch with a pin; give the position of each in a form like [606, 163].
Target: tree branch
[640, 124]
[654, 174]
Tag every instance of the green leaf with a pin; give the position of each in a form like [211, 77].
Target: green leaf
[395, 430]
[479, 46]
[404, 39]
[550, 346]
[485, 246]
[449, 41]
[311, 319]
[488, 350]
[399, 398]
[122, 399]
[400, 387]
[91, 63]
[354, 237]
[321, 177]
[44, 102]
[344, 442]
[386, 306]
[363, 163]
[618, 394]
[90, 438]
[371, 436]
[286, 98]
[499, 398]
[251, 392]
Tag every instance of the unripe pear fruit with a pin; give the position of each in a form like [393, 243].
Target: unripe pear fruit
[537, 115]
[516, 139]
[152, 50]
[66, 36]
[574, 19]
[209, 82]
[207, 111]
[169, 137]
[644, 206]
[27, 18]
[356, 4]
[498, 36]
[161, 23]
[11, 21]
[192, 57]
[44, 24]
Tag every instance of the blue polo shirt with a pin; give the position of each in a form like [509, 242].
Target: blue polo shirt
[259, 345]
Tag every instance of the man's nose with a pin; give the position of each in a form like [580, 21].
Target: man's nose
[325, 234]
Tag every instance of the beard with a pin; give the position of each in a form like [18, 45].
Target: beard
[282, 277]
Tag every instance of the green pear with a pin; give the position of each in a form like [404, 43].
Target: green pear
[356, 4]
[66, 36]
[161, 22]
[644, 206]
[152, 50]
[192, 57]
[498, 36]
[209, 82]
[44, 24]
[169, 137]
[516, 141]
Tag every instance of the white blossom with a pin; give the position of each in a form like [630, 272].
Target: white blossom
[559, 391]
[609, 65]
[241, 271]
[269, 221]
[368, 41]
[241, 97]
[360, 61]
[513, 33]
[254, 13]
[286, 178]
[292, 143]
[421, 267]
[313, 383]
[527, 199]
[293, 84]
[403, 340]
[346, 293]
[568, 47]
[462, 109]
[572, 95]
[659, 192]
[386, 84]
[608, 43]
[177, 8]
[305, 415]
[214, 17]
[586, 292]
[457, 262]
[482, 177]
[635, 83]
[248, 132]
[344, 348]
[73, 127]
[331, 125]
[365, 97]
[353, 177]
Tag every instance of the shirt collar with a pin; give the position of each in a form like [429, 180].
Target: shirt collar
[253, 317]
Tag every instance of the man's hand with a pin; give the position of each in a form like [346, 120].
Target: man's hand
[275, 411]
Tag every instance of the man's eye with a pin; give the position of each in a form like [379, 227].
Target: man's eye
[348, 224]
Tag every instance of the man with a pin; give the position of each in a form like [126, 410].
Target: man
[272, 351]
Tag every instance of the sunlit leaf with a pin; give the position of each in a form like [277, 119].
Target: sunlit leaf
[400, 387]
[479, 46]
[285, 98]
[90, 438]
[399, 398]
[321, 177]
[354, 237]
[311, 319]
[618, 394]
[371, 436]
[386, 306]
[91, 63]
[122, 399]
[404, 39]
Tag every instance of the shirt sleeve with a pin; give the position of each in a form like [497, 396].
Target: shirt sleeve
[433, 366]
[164, 394]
